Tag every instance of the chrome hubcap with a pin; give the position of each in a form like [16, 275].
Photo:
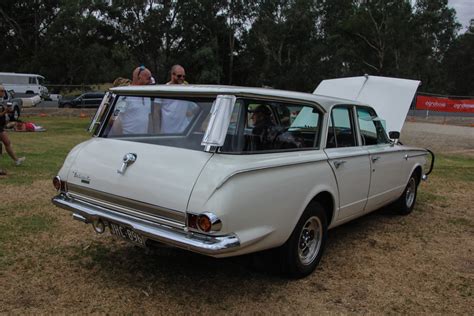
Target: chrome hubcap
[410, 195]
[310, 240]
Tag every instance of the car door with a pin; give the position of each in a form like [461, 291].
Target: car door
[349, 162]
[386, 161]
[88, 99]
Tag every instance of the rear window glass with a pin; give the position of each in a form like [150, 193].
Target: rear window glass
[177, 122]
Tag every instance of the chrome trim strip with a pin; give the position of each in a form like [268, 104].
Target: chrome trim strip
[418, 155]
[114, 201]
[200, 243]
[118, 208]
[346, 156]
[265, 167]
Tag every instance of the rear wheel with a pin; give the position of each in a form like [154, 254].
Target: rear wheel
[406, 202]
[304, 249]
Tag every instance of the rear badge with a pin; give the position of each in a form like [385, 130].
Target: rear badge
[84, 179]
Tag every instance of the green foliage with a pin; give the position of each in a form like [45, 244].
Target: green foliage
[459, 66]
[291, 44]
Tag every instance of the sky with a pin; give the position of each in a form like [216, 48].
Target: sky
[464, 11]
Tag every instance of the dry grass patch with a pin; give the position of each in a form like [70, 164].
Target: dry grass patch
[380, 263]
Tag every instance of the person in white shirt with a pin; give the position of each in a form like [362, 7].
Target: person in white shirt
[133, 113]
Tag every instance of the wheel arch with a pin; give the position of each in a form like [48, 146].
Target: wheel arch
[326, 199]
[417, 171]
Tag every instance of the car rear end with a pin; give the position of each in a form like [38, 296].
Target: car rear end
[137, 180]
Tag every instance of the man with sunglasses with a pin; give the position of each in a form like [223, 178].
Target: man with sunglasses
[178, 75]
[133, 114]
[141, 76]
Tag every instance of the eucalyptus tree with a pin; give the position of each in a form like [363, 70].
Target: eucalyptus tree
[458, 65]
[280, 43]
[23, 25]
[379, 33]
[436, 29]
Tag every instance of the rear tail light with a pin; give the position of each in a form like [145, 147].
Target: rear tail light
[59, 185]
[206, 222]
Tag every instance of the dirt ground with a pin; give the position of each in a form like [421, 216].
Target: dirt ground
[382, 263]
[447, 139]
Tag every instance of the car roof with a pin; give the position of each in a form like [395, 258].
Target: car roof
[212, 90]
[20, 74]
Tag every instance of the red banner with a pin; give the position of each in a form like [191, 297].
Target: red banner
[444, 104]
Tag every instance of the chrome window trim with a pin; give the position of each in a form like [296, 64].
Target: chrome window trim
[255, 96]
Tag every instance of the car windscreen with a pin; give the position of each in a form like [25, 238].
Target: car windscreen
[168, 121]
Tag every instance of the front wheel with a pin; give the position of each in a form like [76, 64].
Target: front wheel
[406, 202]
[304, 249]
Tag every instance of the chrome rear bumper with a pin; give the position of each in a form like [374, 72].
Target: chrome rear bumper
[203, 244]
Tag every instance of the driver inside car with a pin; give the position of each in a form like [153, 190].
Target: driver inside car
[264, 129]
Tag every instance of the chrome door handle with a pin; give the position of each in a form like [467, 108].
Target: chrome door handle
[374, 159]
[127, 160]
[338, 163]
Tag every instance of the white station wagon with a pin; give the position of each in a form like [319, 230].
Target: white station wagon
[225, 171]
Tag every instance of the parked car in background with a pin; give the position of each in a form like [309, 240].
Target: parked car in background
[15, 104]
[26, 84]
[88, 99]
[226, 171]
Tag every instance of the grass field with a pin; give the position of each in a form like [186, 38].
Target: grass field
[381, 263]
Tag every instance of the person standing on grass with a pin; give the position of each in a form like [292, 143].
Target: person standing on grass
[3, 134]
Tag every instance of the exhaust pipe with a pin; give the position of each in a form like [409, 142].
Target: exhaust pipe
[99, 226]
[78, 217]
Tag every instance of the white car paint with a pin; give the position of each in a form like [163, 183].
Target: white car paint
[390, 97]
[259, 197]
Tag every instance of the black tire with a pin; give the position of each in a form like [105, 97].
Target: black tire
[303, 250]
[406, 202]
[15, 115]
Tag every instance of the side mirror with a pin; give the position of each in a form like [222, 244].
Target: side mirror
[394, 135]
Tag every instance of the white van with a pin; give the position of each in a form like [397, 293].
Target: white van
[24, 83]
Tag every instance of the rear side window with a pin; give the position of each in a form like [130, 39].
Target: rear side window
[341, 131]
[260, 126]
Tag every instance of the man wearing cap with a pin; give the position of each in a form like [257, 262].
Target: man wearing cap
[3, 135]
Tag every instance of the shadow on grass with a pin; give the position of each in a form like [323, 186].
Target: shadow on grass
[183, 274]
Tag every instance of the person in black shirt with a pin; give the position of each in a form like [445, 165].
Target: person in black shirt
[264, 128]
[4, 110]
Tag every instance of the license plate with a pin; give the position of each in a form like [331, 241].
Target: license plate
[127, 234]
